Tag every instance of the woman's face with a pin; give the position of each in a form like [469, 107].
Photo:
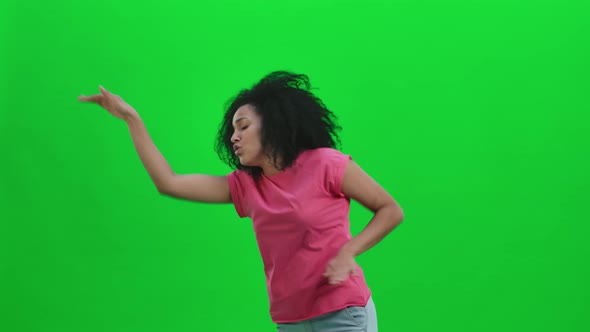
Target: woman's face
[246, 138]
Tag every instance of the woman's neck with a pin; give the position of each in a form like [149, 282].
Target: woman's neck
[269, 168]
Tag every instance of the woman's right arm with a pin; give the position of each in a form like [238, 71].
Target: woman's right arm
[195, 187]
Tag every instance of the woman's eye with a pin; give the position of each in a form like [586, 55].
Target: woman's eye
[244, 127]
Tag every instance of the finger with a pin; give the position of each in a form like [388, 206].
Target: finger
[330, 272]
[335, 281]
[338, 277]
[104, 91]
[93, 98]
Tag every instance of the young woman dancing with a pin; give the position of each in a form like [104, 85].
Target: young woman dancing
[296, 187]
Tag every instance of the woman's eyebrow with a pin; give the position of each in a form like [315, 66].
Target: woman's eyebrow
[238, 120]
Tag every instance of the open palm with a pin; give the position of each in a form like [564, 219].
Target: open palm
[110, 102]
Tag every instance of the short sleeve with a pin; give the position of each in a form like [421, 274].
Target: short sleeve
[334, 163]
[236, 188]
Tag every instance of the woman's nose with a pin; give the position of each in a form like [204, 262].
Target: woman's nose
[234, 138]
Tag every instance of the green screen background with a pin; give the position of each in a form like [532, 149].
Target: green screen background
[474, 115]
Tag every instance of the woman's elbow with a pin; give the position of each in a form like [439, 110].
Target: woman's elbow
[397, 214]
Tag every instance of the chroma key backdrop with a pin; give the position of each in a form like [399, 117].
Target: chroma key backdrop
[474, 115]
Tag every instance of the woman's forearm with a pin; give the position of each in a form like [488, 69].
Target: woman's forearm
[382, 223]
[154, 162]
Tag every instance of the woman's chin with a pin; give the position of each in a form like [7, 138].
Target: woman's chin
[244, 161]
[250, 162]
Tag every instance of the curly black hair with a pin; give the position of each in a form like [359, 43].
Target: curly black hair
[293, 120]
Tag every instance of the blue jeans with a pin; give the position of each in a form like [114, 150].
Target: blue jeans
[351, 319]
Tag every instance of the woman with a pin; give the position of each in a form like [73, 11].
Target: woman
[296, 187]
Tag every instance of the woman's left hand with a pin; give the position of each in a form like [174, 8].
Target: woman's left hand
[341, 267]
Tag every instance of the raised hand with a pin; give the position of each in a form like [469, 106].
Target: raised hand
[110, 102]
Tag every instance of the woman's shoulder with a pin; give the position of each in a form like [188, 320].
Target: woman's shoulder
[240, 175]
[321, 155]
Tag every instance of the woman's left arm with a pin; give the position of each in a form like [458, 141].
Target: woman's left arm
[359, 186]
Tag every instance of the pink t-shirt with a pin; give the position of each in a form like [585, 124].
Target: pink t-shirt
[300, 219]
